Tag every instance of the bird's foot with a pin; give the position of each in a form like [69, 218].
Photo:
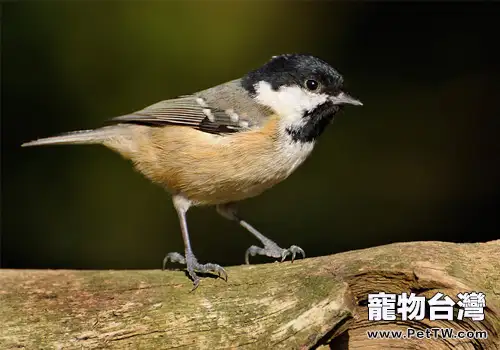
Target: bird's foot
[193, 266]
[272, 250]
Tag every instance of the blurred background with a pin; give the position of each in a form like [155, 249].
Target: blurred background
[419, 161]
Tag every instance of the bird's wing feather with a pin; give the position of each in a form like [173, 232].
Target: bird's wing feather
[224, 109]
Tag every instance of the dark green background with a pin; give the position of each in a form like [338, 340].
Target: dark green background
[419, 161]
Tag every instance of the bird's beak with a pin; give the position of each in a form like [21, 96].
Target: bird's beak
[343, 98]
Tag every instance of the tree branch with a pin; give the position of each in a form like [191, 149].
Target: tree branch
[312, 303]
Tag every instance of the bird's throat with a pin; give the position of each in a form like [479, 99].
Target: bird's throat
[315, 122]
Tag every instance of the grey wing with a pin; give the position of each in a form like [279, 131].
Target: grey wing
[223, 109]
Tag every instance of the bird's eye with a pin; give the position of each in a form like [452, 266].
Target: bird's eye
[312, 84]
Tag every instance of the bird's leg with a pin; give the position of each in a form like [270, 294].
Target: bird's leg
[270, 248]
[182, 205]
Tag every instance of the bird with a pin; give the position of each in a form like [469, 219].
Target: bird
[227, 143]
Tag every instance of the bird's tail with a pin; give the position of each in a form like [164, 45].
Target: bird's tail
[77, 137]
[121, 138]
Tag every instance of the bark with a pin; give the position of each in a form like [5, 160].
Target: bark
[309, 304]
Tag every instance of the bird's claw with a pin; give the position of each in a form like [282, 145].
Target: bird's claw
[274, 251]
[193, 267]
[173, 257]
[292, 250]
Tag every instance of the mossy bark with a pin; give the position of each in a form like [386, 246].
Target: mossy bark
[312, 303]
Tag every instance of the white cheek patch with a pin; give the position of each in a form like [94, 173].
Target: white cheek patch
[290, 102]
